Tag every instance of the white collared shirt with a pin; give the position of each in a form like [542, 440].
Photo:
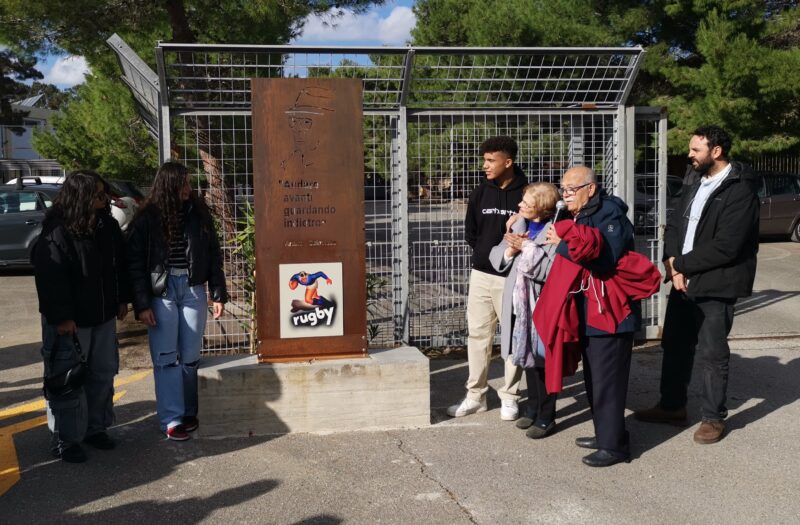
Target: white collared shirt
[707, 187]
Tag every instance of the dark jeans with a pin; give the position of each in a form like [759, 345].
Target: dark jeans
[696, 325]
[606, 368]
[541, 405]
[88, 410]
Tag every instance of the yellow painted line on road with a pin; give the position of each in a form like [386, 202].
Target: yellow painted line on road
[9, 464]
[38, 406]
[132, 378]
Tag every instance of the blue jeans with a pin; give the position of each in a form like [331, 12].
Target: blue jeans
[175, 343]
[88, 410]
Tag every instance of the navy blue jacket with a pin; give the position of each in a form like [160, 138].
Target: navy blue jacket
[609, 215]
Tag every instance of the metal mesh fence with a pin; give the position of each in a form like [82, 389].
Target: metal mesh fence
[443, 168]
[654, 199]
[543, 78]
[215, 77]
[777, 163]
[229, 138]
[426, 110]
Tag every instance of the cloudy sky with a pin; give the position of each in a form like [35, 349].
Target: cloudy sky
[387, 25]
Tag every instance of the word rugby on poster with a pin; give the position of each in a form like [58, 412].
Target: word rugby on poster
[308, 179]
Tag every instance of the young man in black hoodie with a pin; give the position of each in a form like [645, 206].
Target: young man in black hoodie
[490, 205]
[710, 248]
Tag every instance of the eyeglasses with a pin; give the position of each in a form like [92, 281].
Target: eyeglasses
[526, 205]
[572, 189]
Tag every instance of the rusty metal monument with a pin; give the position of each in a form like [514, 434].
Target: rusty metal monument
[308, 174]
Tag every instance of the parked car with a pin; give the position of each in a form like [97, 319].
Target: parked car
[645, 208]
[42, 179]
[780, 204]
[22, 209]
[125, 196]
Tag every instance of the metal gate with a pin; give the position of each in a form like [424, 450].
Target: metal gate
[426, 110]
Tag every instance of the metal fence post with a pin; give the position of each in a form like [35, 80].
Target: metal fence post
[164, 132]
[400, 244]
[629, 166]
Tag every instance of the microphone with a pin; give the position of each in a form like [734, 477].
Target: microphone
[560, 205]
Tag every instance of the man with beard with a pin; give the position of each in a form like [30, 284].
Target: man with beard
[710, 247]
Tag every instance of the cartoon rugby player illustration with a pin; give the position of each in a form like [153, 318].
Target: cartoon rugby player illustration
[312, 297]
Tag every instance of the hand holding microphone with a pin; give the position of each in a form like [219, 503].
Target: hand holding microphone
[560, 205]
[551, 236]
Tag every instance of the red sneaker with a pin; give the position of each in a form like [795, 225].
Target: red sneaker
[177, 433]
[190, 423]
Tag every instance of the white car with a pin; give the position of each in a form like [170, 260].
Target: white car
[40, 179]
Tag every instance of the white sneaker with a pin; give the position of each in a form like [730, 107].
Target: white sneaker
[509, 410]
[466, 407]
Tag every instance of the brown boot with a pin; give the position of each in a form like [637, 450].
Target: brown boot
[660, 415]
[709, 432]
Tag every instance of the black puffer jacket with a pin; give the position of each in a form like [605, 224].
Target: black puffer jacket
[722, 262]
[488, 209]
[83, 279]
[148, 254]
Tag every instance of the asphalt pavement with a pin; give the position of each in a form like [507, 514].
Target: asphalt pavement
[476, 469]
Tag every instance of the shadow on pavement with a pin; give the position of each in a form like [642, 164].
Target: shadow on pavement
[763, 299]
[50, 489]
[322, 519]
[17, 384]
[20, 355]
[189, 510]
[448, 377]
[764, 380]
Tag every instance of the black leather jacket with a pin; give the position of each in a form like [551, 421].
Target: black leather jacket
[148, 254]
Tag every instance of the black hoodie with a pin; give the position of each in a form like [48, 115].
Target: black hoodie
[487, 212]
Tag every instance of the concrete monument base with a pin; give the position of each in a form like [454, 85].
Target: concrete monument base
[239, 397]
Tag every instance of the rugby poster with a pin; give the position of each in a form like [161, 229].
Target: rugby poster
[311, 300]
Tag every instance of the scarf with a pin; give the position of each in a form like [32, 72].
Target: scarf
[523, 336]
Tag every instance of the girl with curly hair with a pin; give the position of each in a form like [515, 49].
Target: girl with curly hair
[173, 252]
[81, 281]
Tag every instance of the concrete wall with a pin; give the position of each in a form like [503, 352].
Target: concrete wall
[388, 389]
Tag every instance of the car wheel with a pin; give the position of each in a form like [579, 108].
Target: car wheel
[796, 231]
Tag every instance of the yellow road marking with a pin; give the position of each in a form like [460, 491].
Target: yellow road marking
[132, 378]
[9, 464]
[38, 406]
